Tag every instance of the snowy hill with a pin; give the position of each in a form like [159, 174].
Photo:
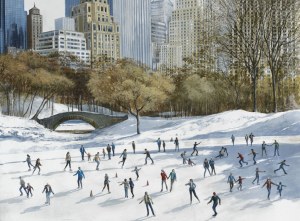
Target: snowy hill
[19, 137]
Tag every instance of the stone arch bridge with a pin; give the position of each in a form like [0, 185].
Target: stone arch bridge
[97, 120]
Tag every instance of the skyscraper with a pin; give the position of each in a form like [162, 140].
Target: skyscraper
[92, 17]
[190, 30]
[65, 23]
[12, 25]
[69, 4]
[161, 11]
[34, 27]
[134, 18]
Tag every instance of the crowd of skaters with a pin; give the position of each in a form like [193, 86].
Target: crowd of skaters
[208, 165]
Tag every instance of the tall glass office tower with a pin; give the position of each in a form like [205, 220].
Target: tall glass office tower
[12, 25]
[68, 6]
[134, 18]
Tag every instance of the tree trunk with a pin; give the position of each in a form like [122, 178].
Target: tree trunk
[254, 90]
[137, 116]
[274, 93]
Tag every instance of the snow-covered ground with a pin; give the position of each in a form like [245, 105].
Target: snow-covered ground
[19, 137]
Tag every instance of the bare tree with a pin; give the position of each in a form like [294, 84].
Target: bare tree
[280, 35]
[240, 35]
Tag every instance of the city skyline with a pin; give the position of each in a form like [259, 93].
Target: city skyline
[50, 12]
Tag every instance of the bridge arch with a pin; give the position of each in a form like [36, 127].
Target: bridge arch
[95, 119]
[75, 117]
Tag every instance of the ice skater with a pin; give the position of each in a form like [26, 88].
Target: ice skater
[232, 139]
[251, 136]
[158, 144]
[89, 157]
[254, 156]
[221, 153]
[247, 139]
[231, 181]
[257, 171]
[131, 185]
[106, 183]
[148, 202]
[133, 146]
[108, 149]
[148, 156]
[280, 187]
[212, 166]
[97, 160]
[195, 148]
[176, 142]
[276, 148]
[113, 147]
[126, 186]
[192, 187]
[263, 149]
[80, 175]
[164, 177]
[206, 167]
[281, 166]
[48, 191]
[136, 170]
[37, 166]
[190, 162]
[124, 155]
[28, 160]
[82, 151]
[68, 161]
[164, 145]
[183, 156]
[173, 178]
[240, 181]
[216, 200]
[269, 184]
[29, 189]
[22, 186]
[103, 153]
[241, 159]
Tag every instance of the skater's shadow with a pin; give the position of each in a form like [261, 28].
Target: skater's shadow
[143, 218]
[179, 208]
[25, 176]
[16, 199]
[85, 200]
[32, 209]
[112, 202]
[61, 194]
[154, 195]
[53, 173]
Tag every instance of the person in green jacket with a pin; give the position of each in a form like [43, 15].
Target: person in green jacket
[148, 202]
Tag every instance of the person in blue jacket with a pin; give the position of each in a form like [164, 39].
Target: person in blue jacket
[131, 185]
[231, 180]
[158, 144]
[192, 190]
[281, 166]
[113, 147]
[216, 200]
[173, 178]
[280, 187]
[82, 151]
[80, 175]
[124, 155]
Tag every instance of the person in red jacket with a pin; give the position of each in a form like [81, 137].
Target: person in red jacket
[164, 177]
[240, 181]
[269, 184]
[241, 159]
